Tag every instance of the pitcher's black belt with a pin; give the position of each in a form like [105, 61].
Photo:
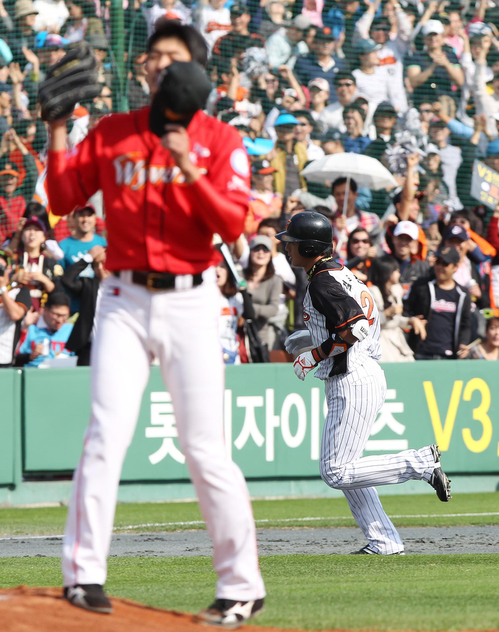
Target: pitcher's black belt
[160, 281]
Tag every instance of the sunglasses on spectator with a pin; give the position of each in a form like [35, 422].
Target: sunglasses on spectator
[260, 248]
[361, 241]
[270, 80]
[344, 84]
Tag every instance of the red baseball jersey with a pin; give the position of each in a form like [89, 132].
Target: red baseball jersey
[156, 221]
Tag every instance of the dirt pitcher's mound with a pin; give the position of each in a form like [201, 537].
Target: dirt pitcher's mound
[25, 609]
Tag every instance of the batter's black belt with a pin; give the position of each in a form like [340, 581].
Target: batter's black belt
[160, 281]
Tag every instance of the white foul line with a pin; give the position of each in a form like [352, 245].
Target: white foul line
[308, 519]
[192, 523]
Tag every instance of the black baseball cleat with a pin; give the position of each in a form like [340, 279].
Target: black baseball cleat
[365, 550]
[89, 597]
[439, 480]
[229, 614]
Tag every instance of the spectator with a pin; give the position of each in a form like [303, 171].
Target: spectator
[48, 337]
[290, 159]
[239, 39]
[444, 310]
[385, 118]
[34, 209]
[388, 294]
[138, 90]
[263, 201]
[332, 142]
[303, 129]
[231, 313]
[360, 254]
[273, 18]
[467, 273]
[411, 268]
[493, 239]
[434, 69]
[86, 289]
[166, 9]
[270, 227]
[319, 96]
[82, 20]
[83, 239]
[14, 194]
[264, 286]
[212, 19]
[342, 19]
[486, 103]
[449, 155]
[373, 82]
[14, 303]
[100, 47]
[320, 63]
[33, 268]
[354, 140]
[21, 32]
[487, 349]
[354, 218]
[286, 44]
[346, 89]
[49, 48]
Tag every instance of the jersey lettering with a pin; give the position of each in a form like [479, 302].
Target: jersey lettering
[366, 300]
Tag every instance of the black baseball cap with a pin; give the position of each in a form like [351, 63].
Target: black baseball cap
[184, 89]
[448, 254]
[262, 168]
[456, 232]
[238, 9]
[341, 75]
[332, 134]
[324, 35]
[385, 109]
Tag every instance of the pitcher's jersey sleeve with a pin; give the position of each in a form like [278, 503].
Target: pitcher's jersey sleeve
[330, 299]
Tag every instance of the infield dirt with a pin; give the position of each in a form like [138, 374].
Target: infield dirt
[25, 609]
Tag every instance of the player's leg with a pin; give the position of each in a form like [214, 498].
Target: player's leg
[120, 370]
[192, 366]
[376, 526]
[356, 401]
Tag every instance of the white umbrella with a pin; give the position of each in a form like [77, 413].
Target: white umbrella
[366, 171]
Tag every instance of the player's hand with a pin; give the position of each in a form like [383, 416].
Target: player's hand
[303, 364]
[177, 142]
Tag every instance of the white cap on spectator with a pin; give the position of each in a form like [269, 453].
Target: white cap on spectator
[406, 228]
[301, 22]
[432, 149]
[319, 82]
[432, 26]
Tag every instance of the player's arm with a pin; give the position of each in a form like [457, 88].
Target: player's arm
[71, 179]
[345, 319]
[220, 197]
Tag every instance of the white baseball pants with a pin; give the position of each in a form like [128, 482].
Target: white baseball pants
[354, 401]
[181, 329]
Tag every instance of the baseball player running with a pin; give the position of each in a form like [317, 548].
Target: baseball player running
[343, 340]
[164, 198]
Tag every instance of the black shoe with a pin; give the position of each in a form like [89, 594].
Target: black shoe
[439, 480]
[365, 550]
[229, 614]
[88, 596]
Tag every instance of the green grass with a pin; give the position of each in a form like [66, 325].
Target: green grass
[437, 592]
[327, 512]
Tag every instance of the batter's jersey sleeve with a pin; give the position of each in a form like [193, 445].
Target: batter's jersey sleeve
[330, 300]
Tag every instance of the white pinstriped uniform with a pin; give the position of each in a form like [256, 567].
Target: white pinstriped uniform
[355, 394]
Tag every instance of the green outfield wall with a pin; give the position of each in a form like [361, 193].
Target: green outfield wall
[272, 422]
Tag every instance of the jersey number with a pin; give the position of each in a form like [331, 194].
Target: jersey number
[366, 300]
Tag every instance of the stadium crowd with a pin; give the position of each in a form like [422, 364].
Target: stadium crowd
[411, 84]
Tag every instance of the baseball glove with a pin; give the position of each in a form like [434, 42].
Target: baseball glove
[72, 79]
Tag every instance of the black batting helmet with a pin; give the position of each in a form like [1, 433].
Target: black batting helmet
[312, 230]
